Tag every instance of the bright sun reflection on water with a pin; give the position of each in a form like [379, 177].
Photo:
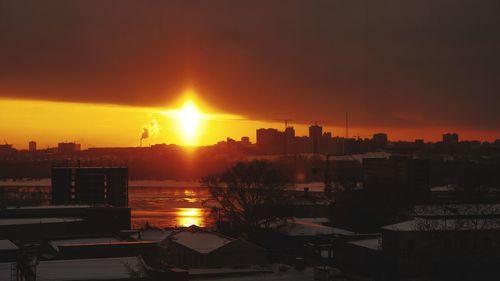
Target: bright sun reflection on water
[190, 196]
[190, 216]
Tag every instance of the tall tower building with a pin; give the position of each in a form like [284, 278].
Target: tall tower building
[450, 138]
[315, 133]
[32, 146]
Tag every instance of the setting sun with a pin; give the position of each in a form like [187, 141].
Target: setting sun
[189, 118]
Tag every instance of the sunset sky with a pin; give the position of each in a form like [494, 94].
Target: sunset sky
[98, 72]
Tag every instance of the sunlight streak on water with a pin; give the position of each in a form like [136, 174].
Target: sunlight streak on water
[160, 206]
[190, 216]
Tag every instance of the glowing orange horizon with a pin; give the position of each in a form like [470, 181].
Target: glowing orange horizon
[187, 122]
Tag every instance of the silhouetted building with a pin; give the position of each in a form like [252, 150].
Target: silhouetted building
[448, 246]
[315, 133]
[290, 132]
[399, 173]
[68, 147]
[197, 247]
[90, 185]
[270, 141]
[245, 140]
[379, 140]
[450, 138]
[39, 222]
[6, 149]
[32, 146]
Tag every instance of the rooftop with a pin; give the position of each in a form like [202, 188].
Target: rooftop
[370, 243]
[155, 234]
[200, 240]
[50, 207]
[23, 221]
[444, 225]
[88, 269]
[82, 241]
[7, 245]
[307, 227]
[456, 210]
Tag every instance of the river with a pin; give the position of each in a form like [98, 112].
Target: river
[160, 203]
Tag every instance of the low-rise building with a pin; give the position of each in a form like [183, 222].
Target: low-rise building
[99, 247]
[102, 269]
[426, 246]
[42, 222]
[197, 247]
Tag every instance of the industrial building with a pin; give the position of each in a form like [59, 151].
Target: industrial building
[40, 222]
[400, 173]
[90, 185]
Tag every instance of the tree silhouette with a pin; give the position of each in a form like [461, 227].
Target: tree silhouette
[247, 194]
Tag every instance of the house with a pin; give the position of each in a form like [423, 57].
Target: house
[452, 241]
[427, 246]
[197, 247]
[303, 237]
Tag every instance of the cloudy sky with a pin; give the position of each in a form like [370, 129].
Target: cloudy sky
[395, 64]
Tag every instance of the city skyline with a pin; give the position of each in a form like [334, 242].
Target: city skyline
[151, 133]
[414, 73]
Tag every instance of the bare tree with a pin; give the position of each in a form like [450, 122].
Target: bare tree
[248, 193]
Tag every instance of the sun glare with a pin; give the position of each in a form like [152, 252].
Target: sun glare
[189, 118]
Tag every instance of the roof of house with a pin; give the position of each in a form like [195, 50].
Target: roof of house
[49, 207]
[88, 269]
[370, 243]
[154, 234]
[444, 188]
[306, 227]
[7, 245]
[457, 210]
[22, 221]
[444, 225]
[82, 241]
[199, 239]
